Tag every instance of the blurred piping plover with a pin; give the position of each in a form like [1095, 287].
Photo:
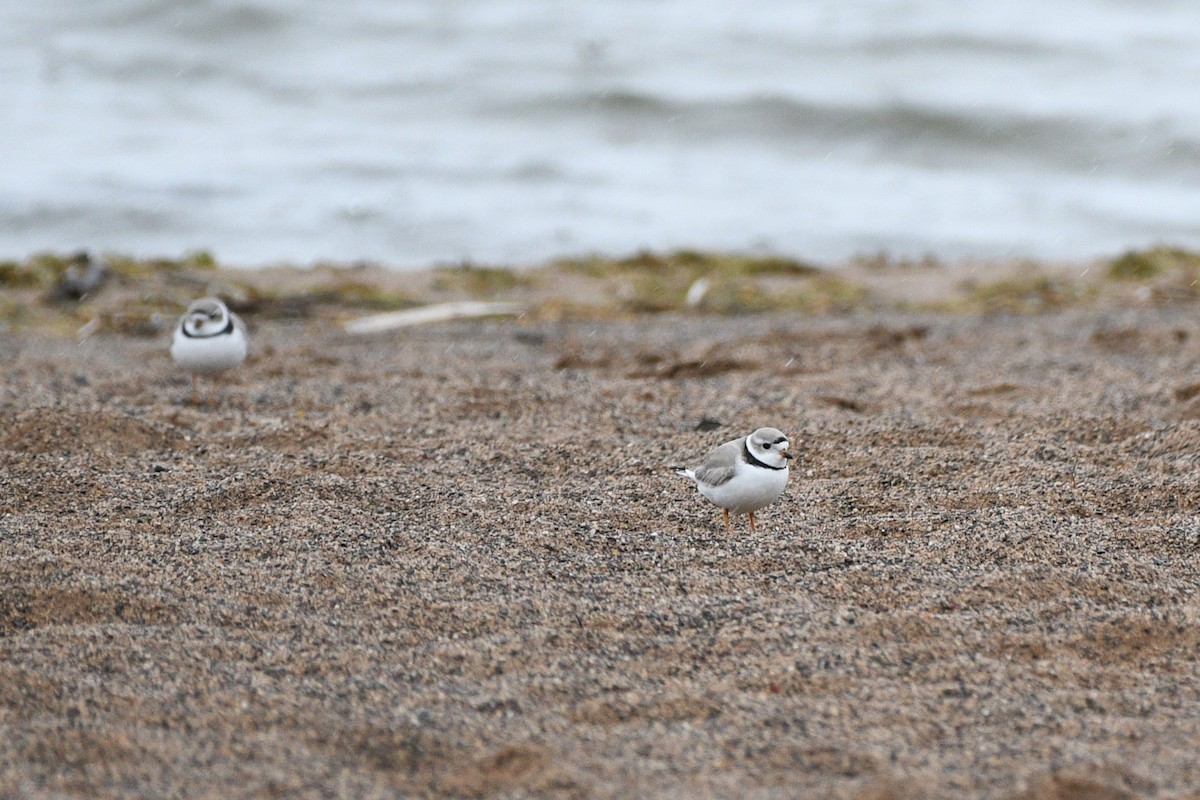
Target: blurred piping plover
[744, 475]
[208, 340]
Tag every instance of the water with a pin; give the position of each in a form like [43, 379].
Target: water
[500, 131]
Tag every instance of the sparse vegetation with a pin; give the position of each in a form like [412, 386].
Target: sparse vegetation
[1141, 265]
[648, 282]
[142, 290]
[690, 263]
[1023, 294]
[480, 282]
[362, 294]
[883, 261]
[14, 274]
[38, 271]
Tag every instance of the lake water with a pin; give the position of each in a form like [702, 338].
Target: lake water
[411, 132]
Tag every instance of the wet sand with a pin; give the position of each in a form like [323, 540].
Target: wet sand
[452, 562]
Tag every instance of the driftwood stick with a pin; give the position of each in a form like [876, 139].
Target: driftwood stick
[440, 312]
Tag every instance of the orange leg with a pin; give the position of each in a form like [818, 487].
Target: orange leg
[753, 527]
[728, 524]
[195, 391]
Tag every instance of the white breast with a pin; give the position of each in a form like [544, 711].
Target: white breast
[210, 355]
[750, 489]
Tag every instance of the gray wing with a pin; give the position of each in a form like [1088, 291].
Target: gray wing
[718, 467]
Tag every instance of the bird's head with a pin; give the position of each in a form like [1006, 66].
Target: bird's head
[770, 446]
[205, 317]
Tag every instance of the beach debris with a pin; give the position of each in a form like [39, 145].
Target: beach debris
[440, 312]
[83, 277]
[697, 292]
[85, 332]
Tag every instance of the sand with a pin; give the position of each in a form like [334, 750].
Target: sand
[452, 562]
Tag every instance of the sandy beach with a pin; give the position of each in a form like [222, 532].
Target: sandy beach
[452, 561]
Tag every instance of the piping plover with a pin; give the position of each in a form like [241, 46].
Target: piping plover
[208, 340]
[744, 475]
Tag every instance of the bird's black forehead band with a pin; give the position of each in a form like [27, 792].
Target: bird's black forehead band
[228, 329]
[780, 439]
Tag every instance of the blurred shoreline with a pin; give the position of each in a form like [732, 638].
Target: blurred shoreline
[83, 293]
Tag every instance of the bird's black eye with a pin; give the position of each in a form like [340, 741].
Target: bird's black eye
[767, 446]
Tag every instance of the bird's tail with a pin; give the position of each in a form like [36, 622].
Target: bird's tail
[685, 472]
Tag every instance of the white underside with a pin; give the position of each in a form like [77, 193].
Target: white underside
[750, 489]
[209, 356]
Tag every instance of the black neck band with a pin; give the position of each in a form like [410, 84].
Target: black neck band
[754, 462]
